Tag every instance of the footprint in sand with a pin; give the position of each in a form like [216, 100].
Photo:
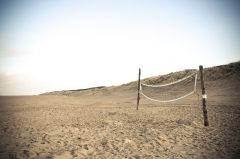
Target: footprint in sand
[64, 155]
[45, 156]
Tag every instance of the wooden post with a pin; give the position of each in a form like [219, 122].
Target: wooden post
[138, 95]
[204, 96]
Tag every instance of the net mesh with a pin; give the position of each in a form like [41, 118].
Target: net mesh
[170, 89]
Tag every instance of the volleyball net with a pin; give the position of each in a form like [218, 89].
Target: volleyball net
[171, 91]
[173, 88]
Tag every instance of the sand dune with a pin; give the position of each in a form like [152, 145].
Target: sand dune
[103, 122]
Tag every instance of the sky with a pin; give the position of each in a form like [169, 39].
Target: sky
[50, 45]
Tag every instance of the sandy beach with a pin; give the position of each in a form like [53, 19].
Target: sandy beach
[104, 123]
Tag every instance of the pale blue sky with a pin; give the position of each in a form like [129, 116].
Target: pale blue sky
[48, 45]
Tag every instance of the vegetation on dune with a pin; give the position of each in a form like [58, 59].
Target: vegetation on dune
[229, 71]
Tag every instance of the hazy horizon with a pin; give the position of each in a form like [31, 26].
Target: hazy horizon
[63, 45]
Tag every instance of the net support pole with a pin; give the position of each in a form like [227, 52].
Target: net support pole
[204, 96]
[138, 95]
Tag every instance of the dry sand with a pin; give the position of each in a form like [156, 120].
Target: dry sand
[66, 127]
[105, 124]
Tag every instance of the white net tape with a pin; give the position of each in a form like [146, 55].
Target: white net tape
[163, 85]
[171, 83]
[166, 101]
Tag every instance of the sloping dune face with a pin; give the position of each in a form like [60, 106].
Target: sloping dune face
[103, 122]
